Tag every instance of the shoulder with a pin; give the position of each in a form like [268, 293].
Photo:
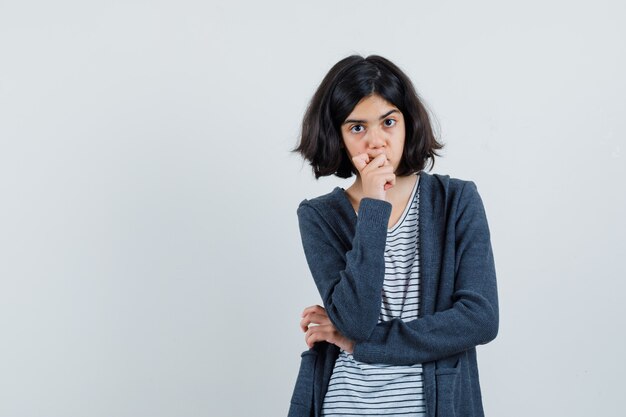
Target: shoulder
[331, 213]
[321, 199]
[321, 202]
[451, 188]
[454, 197]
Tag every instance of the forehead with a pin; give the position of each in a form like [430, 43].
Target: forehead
[372, 104]
[372, 109]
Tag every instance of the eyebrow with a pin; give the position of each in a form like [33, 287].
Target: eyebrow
[365, 121]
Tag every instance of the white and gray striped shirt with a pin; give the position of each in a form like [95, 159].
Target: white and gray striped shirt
[358, 388]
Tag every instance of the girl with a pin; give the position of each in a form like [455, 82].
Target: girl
[402, 258]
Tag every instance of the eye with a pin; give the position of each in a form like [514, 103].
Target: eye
[354, 127]
[392, 122]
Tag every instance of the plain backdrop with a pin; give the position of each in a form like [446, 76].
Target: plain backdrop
[150, 257]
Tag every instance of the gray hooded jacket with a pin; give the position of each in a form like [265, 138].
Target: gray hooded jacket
[458, 293]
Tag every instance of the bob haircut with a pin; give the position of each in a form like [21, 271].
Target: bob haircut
[346, 84]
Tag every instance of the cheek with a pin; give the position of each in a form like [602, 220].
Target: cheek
[351, 147]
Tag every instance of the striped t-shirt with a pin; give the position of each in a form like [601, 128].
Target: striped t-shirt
[358, 388]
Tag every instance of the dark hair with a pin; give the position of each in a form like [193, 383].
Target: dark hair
[348, 82]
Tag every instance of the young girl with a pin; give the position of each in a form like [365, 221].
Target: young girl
[402, 258]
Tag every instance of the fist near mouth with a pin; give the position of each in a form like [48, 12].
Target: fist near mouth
[387, 162]
[376, 173]
[374, 154]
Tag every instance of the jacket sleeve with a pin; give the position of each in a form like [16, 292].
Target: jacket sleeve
[350, 283]
[473, 317]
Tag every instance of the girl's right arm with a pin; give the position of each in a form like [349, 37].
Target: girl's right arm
[349, 283]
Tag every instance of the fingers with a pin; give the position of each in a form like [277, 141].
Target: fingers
[313, 318]
[316, 325]
[315, 308]
[390, 181]
[379, 160]
[361, 161]
[370, 161]
[375, 152]
[378, 175]
[320, 333]
[315, 314]
[328, 333]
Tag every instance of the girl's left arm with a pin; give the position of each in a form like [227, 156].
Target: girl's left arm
[473, 317]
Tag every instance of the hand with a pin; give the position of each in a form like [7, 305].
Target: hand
[376, 173]
[322, 329]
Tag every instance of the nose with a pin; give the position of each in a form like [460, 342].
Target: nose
[376, 138]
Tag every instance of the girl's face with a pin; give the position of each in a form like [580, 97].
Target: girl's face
[374, 124]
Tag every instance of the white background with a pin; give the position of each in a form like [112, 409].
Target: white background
[151, 263]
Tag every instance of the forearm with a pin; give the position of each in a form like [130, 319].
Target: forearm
[350, 284]
[470, 318]
[472, 321]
